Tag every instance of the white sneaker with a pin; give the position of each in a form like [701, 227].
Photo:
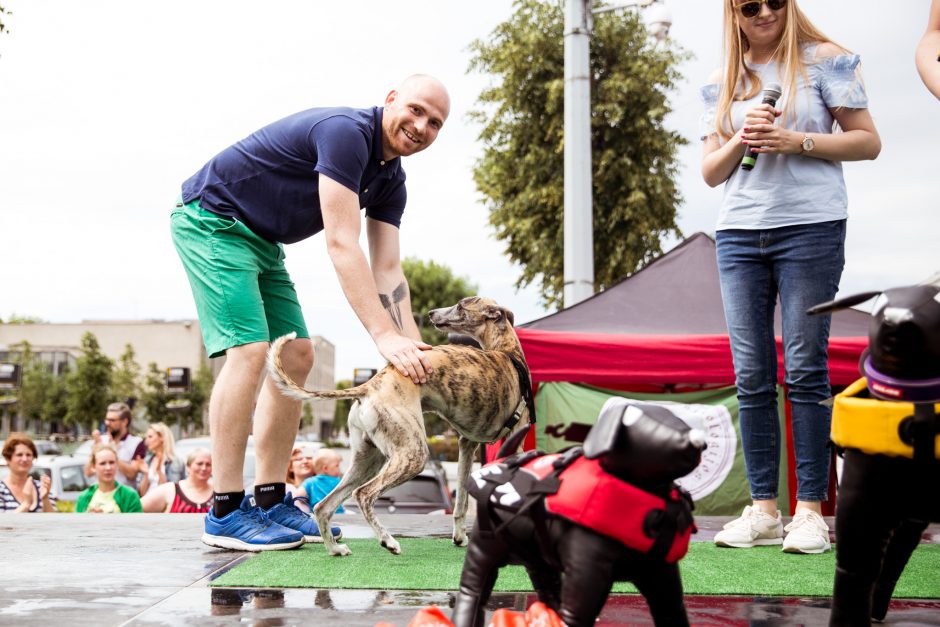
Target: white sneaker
[753, 528]
[808, 533]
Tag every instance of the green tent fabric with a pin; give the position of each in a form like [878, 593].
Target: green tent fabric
[566, 411]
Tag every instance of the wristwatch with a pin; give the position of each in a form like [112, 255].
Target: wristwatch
[807, 144]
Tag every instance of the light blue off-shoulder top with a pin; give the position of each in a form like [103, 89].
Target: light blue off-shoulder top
[784, 190]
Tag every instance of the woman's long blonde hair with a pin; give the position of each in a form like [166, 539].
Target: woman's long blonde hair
[740, 82]
[169, 443]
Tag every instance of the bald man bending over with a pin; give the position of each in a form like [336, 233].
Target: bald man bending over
[312, 171]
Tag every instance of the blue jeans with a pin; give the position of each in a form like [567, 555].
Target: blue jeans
[802, 265]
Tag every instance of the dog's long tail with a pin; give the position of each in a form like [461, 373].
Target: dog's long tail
[292, 389]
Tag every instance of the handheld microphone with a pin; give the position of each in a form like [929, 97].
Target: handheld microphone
[772, 91]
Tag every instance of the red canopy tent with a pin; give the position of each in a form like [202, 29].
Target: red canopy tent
[664, 327]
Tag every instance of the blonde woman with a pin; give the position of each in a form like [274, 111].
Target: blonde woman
[781, 234]
[163, 466]
[107, 496]
[192, 495]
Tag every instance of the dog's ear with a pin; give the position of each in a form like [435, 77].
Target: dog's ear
[496, 314]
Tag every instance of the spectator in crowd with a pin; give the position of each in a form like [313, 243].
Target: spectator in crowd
[108, 496]
[301, 467]
[130, 448]
[163, 466]
[19, 492]
[928, 51]
[192, 495]
[327, 475]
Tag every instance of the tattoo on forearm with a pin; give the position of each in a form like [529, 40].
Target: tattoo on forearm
[391, 303]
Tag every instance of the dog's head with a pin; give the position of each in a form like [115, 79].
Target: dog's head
[471, 316]
[643, 444]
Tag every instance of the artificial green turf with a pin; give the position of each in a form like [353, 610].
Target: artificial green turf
[435, 564]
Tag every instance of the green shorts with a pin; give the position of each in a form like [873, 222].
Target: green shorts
[242, 290]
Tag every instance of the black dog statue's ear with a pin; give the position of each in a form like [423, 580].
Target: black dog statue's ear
[602, 437]
[513, 442]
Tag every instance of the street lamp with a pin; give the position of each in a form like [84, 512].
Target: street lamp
[578, 218]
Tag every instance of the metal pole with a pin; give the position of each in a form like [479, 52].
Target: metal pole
[578, 223]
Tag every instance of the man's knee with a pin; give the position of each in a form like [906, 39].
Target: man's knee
[297, 358]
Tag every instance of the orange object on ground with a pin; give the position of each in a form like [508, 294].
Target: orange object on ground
[507, 618]
[538, 615]
[426, 617]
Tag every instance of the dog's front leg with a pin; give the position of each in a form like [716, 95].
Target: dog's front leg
[466, 452]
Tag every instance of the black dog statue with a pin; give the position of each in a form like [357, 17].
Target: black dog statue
[890, 487]
[581, 520]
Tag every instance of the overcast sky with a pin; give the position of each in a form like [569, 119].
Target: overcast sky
[107, 106]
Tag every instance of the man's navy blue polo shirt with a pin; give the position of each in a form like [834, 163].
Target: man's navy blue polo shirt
[269, 180]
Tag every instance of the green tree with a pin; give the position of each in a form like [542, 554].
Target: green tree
[633, 155]
[154, 397]
[187, 409]
[30, 396]
[20, 319]
[126, 380]
[198, 397]
[433, 285]
[89, 386]
[55, 403]
[41, 396]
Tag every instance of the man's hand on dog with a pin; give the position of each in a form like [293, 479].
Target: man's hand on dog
[406, 355]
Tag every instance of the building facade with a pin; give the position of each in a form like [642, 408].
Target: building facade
[173, 343]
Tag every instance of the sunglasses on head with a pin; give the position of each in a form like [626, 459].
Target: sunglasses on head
[752, 8]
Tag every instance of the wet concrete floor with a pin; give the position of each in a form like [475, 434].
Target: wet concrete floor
[151, 569]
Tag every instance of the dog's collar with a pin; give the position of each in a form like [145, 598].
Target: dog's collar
[526, 402]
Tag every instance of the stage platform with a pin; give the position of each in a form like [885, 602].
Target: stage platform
[151, 569]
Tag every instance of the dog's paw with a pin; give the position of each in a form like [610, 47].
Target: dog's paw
[392, 545]
[340, 550]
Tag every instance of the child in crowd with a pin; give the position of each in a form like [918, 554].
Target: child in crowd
[326, 466]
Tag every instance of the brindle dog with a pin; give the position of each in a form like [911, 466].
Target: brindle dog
[476, 390]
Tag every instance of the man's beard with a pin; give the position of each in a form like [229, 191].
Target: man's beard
[115, 433]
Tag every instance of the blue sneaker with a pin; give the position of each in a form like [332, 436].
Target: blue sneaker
[289, 515]
[248, 529]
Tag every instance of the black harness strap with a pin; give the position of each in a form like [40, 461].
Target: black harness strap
[525, 387]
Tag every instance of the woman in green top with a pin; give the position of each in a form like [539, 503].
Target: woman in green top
[108, 496]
